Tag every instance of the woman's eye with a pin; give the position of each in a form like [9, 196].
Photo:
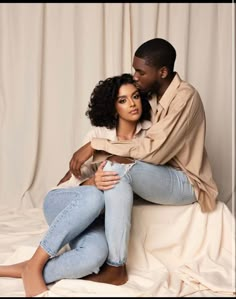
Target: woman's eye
[136, 96]
[121, 101]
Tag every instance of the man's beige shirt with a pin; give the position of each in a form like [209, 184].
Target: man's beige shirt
[89, 168]
[176, 138]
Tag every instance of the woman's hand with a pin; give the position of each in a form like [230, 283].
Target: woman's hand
[105, 180]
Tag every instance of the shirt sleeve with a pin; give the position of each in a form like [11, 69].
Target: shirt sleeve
[164, 139]
[87, 170]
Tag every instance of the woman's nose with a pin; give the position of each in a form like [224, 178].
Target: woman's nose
[132, 103]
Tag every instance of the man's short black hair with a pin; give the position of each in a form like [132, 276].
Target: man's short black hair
[157, 52]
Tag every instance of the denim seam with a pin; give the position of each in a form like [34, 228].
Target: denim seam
[61, 216]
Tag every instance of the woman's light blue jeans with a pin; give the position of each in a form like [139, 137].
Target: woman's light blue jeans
[74, 218]
[155, 183]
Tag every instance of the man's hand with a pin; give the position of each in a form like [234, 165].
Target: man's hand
[79, 157]
[66, 177]
[105, 180]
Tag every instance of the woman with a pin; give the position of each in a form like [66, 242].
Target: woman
[74, 209]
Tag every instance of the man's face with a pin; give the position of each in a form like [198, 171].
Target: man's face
[146, 77]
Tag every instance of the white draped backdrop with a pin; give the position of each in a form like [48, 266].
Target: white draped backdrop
[51, 57]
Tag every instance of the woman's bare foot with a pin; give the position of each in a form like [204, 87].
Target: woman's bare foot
[32, 274]
[31, 271]
[33, 280]
[110, 274]
[14, 270]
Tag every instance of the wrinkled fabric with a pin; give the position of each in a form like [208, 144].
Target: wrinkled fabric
[174, 251]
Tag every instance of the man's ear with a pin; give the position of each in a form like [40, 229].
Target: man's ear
[164, 72]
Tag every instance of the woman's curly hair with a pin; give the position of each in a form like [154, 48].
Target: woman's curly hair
[101, 108]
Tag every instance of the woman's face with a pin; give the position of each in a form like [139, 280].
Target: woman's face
[128, 104]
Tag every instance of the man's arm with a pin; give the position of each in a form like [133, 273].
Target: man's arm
[103, 180]
[80, 157]
[162, 142]
[165, 138]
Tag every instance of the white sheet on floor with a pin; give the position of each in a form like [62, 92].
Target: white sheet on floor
[173, 252]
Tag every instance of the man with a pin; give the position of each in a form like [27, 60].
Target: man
[172, 165]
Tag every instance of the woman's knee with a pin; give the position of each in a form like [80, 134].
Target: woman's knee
[48, 204]
[93, 195]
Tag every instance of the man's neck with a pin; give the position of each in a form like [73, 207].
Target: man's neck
[165, 85]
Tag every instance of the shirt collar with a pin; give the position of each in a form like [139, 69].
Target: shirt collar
[153, 103]
[144, 125]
